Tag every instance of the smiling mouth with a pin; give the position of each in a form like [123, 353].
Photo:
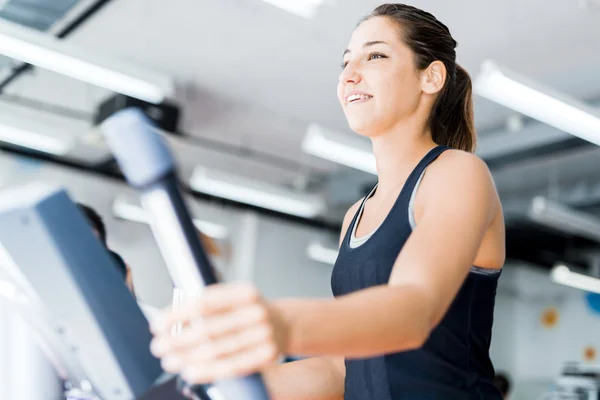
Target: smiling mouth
[358, 98]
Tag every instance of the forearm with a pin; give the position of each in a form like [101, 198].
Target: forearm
[370, 322]
[319, 378]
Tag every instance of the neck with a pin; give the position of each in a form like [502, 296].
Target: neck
[397, 152]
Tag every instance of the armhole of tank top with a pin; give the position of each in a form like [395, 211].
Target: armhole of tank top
[353, 241]
[411, 202]
[413, 223]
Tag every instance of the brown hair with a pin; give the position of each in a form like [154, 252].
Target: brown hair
[451, 121]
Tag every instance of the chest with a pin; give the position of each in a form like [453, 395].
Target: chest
[404, 202]
[372, 262]
[372, 215]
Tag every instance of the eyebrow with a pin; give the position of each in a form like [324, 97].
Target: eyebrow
[367, 44]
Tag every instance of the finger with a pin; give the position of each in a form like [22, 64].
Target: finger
[215, 299]
[210, 352]
[212, 327]
[243, 364]
[164, 344]
[228, 347]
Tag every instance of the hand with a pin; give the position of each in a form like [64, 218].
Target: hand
[229, 331]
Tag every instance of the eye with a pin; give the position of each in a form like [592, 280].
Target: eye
[374, 56]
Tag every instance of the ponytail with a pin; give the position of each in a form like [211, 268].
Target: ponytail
[452, 122]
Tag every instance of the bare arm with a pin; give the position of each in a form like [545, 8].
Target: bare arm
[459, 207]
[317, 378]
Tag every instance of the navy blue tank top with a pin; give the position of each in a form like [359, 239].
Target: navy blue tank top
[454, 363]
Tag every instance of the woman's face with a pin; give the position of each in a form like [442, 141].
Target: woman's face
[379, 85]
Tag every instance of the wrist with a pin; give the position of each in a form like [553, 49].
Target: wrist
[303, 321]
[291, 313]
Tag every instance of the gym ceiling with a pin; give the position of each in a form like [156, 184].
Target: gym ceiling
[250, 79]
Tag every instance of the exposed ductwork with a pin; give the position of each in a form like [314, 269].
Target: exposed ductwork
[564, 219]
[546, 233]
[502, 148]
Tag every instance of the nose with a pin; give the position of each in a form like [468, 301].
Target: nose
[350, 74]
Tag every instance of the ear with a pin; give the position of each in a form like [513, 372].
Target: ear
[433, 77]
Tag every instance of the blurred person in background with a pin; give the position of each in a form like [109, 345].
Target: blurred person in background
[99, 229]
[502, 382]
[97, 224]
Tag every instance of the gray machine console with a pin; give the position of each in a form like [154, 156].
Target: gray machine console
[68, 290]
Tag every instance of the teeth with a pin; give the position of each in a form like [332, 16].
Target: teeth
[357, 97]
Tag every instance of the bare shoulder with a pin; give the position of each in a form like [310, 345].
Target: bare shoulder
[348, 219]
[461, 169]
[459, 179]
[454, 161]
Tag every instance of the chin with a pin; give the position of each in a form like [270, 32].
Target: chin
[362, 126]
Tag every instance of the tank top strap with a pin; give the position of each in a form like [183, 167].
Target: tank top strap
[413, 178]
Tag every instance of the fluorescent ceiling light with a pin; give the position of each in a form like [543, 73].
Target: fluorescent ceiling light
[561, 274]
[8, 290]
[33, 135]
[33, 140]
[339, 148]
[24, 127]
[256, 193]
[48, 52]
[134, 213]
[536, 101]
[320, 253]
[564, 219]
[302, 8]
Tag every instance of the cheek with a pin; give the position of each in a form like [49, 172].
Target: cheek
[404, 93]
[340, 94]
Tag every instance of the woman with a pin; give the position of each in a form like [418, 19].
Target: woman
[419, 259]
